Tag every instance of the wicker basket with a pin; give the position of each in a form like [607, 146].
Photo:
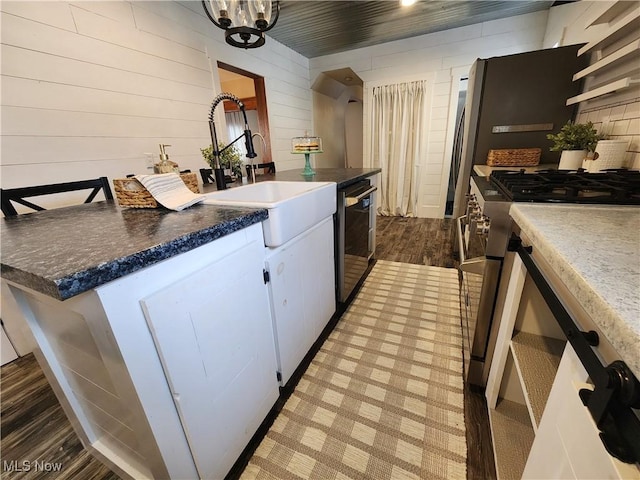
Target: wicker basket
[514, 157]
[131, 193]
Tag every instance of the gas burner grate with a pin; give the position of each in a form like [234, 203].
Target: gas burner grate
[619, 187]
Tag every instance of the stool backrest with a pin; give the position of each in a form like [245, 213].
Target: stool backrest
[269, 167]
[19, 195]
[207, 175]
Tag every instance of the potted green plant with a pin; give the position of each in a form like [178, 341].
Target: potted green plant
[575, 141]
[229, 159]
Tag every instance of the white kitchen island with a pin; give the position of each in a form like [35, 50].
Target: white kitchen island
[588, 255]
[159, 331]
[158, 341]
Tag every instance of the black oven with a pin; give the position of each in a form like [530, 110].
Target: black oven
[354, 243]
[483, 235]
[479, 276]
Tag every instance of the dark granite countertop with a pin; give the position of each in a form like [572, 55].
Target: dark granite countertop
[67, 251]
[342, 176]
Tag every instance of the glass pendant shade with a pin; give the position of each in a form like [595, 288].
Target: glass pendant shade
[260, 12]
[221, 11]
[239, 14]
[244, 21]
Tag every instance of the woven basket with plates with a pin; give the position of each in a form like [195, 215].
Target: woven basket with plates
[514, 157]
[131, 193]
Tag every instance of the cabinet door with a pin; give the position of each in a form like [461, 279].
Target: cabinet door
[320, 282]
[213, 333]
[302, 289]
[567, 444]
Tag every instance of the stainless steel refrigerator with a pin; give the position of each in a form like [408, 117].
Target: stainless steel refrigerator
[514, 101]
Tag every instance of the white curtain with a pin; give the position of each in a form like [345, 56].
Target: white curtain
[235, 127]
[398, 143]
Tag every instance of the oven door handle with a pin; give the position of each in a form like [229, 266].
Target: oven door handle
[468, 265]
[461, 245]
[350, 201]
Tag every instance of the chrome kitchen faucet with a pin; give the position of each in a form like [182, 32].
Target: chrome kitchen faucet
[217, 167]
[264, 144]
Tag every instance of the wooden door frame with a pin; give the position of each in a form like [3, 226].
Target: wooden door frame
[261, 101]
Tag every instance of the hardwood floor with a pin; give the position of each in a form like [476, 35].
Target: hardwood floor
[422, 241]
[34, 427]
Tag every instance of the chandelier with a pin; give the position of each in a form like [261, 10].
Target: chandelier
[243, 21]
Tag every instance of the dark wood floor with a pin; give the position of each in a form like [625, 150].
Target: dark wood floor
[34, 427]
[422, 241]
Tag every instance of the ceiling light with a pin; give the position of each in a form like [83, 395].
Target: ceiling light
[243, 21]
[407, 3]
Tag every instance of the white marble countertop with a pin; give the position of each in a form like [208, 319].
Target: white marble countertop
[595, 250]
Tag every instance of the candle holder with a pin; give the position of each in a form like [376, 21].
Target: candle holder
[306, 145]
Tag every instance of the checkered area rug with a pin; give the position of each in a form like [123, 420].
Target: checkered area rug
[383, 398]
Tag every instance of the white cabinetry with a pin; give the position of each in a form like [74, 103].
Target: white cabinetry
[213, 333]
[539, 426]
[302, 290]
[523, 369]
[168, 371]
[567, 444]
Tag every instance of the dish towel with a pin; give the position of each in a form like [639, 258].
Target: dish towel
[169, 190]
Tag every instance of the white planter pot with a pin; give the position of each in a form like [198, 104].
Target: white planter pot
[572, 159]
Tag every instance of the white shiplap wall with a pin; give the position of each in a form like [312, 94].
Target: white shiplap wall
[444, 56]
[88, 87]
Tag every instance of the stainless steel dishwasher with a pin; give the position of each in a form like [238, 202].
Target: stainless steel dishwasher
[354, 245]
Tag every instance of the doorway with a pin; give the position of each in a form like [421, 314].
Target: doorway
[249, 88]
[338, 118]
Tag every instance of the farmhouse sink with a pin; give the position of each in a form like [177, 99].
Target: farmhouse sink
[293, 207]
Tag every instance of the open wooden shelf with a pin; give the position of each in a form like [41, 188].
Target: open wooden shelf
[603, 90]
[627, 52]
[627, 24]
[620, 22]
[537, 359]
[613, 11]
[512, 437]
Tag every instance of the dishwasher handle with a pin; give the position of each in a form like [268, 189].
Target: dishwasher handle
[350, 201]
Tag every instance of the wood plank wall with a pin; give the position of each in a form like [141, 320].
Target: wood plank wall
[444, 57]
[89, 87]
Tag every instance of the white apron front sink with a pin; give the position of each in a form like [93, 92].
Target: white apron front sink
[293, 207]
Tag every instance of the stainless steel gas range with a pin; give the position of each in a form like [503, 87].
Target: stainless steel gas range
[483, 234]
